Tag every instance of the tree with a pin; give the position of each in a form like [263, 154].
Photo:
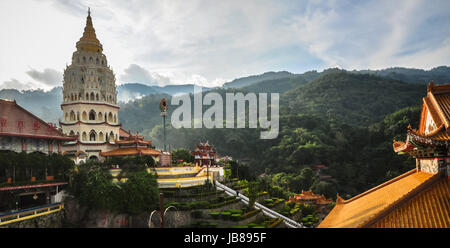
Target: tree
[141, 192]
[252, 193]
[182, 154]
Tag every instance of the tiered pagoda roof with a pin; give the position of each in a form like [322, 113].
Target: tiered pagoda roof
[132, 145]
[310, 196]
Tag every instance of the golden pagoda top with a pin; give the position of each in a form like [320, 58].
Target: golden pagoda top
[89, 41]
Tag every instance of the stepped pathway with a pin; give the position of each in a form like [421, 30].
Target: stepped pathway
[267, 211]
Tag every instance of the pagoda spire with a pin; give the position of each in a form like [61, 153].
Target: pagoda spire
[89, 41]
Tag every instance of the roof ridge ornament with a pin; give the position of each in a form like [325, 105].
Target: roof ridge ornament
[430, 86]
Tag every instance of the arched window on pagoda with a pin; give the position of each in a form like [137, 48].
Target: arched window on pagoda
[100, 116]
[92, 96]
[92, 115]
[96, 97]
[84, 60]
[78, 116]
[110, 117]
[87, 96]
[84, 136]
[79, 96]
[111, 136]
[92, 135]
[97, 61]
[115, 119]
[84, 116]
[72, 115]
[66, 118]
[72, 132]
[91, 59]
[100, 136]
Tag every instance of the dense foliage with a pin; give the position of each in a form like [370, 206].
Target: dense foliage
[92, 186]
[343, 120]
[22, 167]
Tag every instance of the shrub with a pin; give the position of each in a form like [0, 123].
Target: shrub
[235, 211]
[236, 217]
[214, 215]
[225, 215]
[258, 226]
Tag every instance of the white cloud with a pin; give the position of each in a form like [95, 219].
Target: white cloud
[178, 42]
[137, 74]
[16, 84]
[48, 77]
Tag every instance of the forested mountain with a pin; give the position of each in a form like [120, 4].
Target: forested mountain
[440, 75]
[246, 81]
[344, 120]
[132, 91]
[46, 105]
[352, 98]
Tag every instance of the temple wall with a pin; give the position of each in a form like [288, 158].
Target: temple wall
[428, 165]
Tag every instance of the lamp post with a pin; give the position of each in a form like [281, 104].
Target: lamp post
[162, 213]
[163, 107]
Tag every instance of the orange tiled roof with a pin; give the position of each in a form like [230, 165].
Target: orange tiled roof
[133, 141]
[131, 151]
[124, 133]
[364, 208]
[323, 201]
[428, 209]
[307, 195]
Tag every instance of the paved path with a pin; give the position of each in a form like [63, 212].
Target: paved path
[267, 211]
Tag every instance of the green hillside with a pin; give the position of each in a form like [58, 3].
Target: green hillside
[352, 98]
[341, 119]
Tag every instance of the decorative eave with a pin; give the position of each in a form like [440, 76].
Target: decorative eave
[79, 122]
[90, 144]
[49, 137]
[142, 151]
[438, 137]
[90, 103]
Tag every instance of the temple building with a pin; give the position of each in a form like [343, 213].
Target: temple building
[418, 198]
[204, 154]
[20, 130]
[308, 197]
[132, 145]
[90, 109]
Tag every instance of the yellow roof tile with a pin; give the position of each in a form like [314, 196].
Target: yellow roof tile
[361, 209]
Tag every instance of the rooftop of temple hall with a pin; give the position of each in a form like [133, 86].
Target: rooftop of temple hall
[418, 198]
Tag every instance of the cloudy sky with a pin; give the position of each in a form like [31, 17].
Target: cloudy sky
[212, 42]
